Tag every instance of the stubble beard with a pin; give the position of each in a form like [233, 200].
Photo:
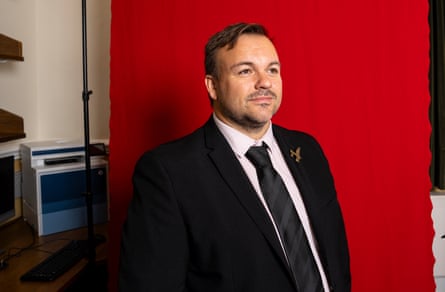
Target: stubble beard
[246, 121]
[249, 122]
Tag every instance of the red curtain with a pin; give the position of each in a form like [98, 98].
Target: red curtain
[355, 75]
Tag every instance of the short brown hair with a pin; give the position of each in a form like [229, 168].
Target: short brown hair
[228, 37]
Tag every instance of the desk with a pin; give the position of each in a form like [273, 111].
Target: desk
[18, 235]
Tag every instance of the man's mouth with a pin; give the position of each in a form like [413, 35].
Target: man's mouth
[262, 95]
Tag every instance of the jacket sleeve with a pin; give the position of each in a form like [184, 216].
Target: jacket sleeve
[154, 250]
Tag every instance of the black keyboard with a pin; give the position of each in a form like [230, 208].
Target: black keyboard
[58, 263]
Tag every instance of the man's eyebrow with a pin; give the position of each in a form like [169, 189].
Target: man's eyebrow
[241, 64]
[275, 63]
[251, 64]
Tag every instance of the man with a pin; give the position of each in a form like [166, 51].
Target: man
[200, 219]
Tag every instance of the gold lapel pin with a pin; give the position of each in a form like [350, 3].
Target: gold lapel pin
[296, 154]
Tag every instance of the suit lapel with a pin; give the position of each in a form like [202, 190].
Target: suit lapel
[296, 163]
[300, 174]
[232, 172]
[293, 155]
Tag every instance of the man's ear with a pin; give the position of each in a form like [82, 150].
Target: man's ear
[211, 86]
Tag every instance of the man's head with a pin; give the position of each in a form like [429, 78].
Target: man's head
[243, 77]
[228, 37]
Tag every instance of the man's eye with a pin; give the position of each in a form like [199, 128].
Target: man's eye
[244, 72]
[274, 71]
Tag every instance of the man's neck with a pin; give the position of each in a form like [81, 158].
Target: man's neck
[254, 132]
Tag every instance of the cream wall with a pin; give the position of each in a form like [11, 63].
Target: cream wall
[46, 89]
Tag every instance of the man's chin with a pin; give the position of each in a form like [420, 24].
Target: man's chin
[258, 123]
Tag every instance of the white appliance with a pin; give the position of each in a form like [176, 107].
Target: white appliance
[54, 185]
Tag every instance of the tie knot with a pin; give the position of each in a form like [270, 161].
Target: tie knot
[258, 156]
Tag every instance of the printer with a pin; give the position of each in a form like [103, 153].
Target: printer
[54, 184]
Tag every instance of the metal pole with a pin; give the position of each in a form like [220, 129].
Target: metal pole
[85, 96]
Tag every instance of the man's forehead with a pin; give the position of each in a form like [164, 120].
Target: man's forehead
[248, 47]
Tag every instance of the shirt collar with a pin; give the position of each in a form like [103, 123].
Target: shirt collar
[240, 142]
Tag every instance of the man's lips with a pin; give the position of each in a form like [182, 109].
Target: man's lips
[261, 99]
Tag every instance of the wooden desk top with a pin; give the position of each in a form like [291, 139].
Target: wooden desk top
[19, 235]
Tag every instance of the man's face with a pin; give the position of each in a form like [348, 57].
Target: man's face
[247, 91]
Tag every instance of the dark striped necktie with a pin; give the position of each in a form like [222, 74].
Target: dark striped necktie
[292, 234]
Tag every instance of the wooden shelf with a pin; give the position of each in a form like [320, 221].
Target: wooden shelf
[11, 126]
[9, 137]
[10, 48]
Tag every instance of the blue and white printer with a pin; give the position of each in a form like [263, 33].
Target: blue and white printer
[54, 185]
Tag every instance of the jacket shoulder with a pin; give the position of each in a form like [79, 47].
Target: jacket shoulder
[294, 136]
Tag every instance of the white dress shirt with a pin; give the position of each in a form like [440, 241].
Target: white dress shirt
[240, 143]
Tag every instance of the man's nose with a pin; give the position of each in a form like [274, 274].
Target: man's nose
[263, 81]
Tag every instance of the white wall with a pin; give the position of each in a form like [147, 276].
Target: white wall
[438, 215]
[46, 89]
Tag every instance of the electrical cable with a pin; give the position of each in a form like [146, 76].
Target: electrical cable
[17, 251]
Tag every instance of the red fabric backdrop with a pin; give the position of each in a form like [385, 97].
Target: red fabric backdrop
[355, 75]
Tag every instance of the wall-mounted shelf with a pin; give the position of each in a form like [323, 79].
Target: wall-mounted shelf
[10, 49]
[11, 126]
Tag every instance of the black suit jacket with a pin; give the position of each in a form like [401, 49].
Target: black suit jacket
[196, 224]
